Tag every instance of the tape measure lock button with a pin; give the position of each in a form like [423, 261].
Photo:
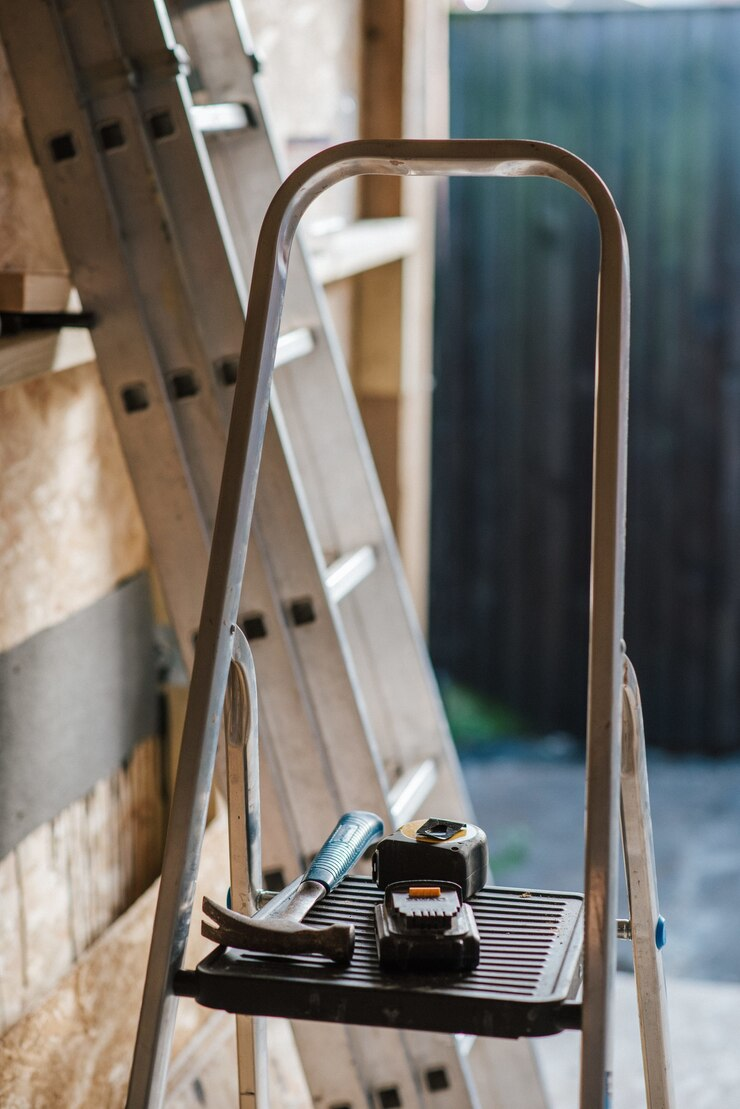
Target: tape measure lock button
[440, 830]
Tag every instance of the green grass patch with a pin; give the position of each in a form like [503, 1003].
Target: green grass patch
[476, 720]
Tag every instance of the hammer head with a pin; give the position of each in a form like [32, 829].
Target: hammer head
[277, 937]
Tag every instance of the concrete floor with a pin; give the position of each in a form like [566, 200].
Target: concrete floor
[705, 1034]
[529, 799]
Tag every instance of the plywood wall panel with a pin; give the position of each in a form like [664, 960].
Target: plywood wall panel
[28, 239]
[75, 1048]
[70, 527]
[73, 876]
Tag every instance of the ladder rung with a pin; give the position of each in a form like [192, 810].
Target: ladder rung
[409, 793]
[346, 573]
[294, 344]
[211, 119]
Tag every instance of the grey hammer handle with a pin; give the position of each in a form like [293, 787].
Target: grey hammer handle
[355, 831]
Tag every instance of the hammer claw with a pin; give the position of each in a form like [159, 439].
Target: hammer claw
[276, 937]
[221, 916]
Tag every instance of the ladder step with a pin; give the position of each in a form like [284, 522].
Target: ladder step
[213, 119]
[293, 345]
[409, 793]
[495, 999]
[346, 573]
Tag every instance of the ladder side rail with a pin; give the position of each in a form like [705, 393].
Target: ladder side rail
[158, 266]
[144, 221]
[385, 640]
[162, 268]
[66, 151]
[391, 668]
[194, 213]
[231, 534]
[252, 152]
[324, 660]
[642, 888]
[110, 84]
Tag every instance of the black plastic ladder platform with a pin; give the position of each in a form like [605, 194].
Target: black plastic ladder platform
[524, 985]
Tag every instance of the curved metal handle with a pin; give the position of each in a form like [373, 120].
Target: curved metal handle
[497, 158]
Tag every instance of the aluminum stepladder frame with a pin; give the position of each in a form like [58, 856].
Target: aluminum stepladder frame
[214, 648]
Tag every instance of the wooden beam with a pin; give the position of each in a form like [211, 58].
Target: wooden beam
[404, 92]
[381, 97]
[33, 292]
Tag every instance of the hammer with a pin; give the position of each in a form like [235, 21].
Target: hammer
[282, 932]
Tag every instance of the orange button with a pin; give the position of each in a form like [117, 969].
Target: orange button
[425, 891]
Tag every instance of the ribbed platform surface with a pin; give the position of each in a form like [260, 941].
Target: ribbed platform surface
[529, 967]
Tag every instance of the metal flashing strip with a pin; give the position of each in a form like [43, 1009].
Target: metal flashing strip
[75, 700]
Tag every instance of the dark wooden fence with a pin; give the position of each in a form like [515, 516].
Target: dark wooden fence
[652, 101]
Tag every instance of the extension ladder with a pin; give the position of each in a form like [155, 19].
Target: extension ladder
[573, 938]
[158, 201]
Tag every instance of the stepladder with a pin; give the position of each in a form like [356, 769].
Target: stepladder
[550, 961]
[172, 193]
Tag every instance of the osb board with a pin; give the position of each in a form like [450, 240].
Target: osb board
[28, 239]
[67, 881]
[75, 1049]
[70, 527]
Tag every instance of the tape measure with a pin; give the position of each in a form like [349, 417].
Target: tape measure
[434, 850]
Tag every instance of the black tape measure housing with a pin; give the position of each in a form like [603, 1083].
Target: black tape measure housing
[434, 850]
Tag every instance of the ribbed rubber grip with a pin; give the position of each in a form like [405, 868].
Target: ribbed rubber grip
[354, 832]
